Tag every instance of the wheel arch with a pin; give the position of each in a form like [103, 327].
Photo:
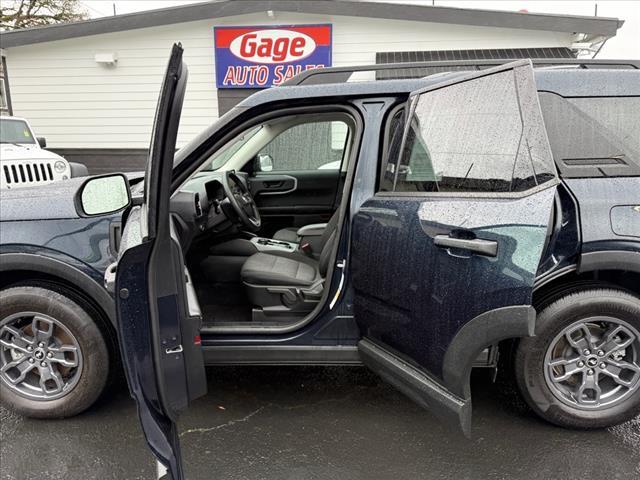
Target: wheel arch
[576, 279]
[21, 268]
[568, 280]
[506, 326]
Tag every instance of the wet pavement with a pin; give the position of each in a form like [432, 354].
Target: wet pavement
[317, 423]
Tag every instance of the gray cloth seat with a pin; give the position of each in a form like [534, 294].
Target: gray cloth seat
[271, 269]
[289, 234]
[274, 269]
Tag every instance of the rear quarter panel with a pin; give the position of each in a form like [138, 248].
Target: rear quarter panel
[609, 212]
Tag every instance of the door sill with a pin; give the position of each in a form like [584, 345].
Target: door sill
[417, 385]
[280, 355]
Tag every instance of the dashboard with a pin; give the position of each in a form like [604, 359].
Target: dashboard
[198, 207]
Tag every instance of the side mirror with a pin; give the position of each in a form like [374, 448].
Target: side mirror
[264, 163]
[42, 142]
[103, 195]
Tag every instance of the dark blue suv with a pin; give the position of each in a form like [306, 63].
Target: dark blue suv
[421, 227]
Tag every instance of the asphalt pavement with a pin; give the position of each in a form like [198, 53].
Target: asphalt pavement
[319, 423]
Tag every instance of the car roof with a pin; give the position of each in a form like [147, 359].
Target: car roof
[570, 82]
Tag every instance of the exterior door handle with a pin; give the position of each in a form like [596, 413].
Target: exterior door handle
[488, 248]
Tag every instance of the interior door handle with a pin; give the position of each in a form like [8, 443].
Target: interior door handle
[487, 248]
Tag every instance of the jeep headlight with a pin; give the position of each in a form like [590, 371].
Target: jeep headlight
[59, 166]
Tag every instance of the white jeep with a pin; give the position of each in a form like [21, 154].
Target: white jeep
[23, 160]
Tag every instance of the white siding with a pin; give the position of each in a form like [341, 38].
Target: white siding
[77, 103]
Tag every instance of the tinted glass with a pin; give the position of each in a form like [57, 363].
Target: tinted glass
[309, 146]
[595, 128]
[481, 135]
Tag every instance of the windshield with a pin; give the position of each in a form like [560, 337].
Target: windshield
[15, 131]
[221, 157]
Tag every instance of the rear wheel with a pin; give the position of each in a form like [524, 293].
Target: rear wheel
[582, 369]
[54, 361]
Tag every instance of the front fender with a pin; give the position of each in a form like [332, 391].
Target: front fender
[71, 271]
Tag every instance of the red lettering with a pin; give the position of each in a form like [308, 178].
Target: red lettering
[265, 47]
[247, 48]
[280, 49]
[297, 46]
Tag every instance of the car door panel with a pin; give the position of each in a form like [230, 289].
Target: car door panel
[157, 311]
[453, 272]
[443, 286]
[295, 198]
[281, 192]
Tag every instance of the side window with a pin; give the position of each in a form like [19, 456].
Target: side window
[475, 137]
[308, 146]
[593, 136]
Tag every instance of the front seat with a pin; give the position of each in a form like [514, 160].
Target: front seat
[292, 234]
[285, 285]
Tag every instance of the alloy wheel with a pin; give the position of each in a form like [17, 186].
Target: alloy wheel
[594, 363]
[39, 357]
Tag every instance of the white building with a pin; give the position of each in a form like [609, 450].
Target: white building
[91, 87]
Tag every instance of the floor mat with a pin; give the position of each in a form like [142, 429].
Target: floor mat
[225, 313]
[223, 302]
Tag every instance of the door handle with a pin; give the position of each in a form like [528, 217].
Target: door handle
[273, 183]
[488, 248]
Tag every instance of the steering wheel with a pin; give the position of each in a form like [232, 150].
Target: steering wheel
[241, 200]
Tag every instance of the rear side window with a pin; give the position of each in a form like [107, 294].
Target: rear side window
[481, 135]
[593, 136]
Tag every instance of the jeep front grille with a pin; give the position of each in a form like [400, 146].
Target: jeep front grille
[26, 173]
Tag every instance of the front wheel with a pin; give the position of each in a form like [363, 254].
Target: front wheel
[54, 361]
[582, 369]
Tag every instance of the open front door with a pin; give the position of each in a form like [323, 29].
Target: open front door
[158, 315]
[443, 265]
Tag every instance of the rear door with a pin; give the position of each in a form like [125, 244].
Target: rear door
[445, 255]
[158, 314]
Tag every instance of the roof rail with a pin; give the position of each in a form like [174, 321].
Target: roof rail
[388, 71]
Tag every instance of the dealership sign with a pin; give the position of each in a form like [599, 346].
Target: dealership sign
[263, 56]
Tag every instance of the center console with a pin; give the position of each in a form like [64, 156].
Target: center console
[270, 245]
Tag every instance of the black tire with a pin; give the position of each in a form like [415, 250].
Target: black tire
[77, 318]
[529, 362]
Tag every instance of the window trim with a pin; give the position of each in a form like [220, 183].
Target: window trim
[384, 151]
[505, 195]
